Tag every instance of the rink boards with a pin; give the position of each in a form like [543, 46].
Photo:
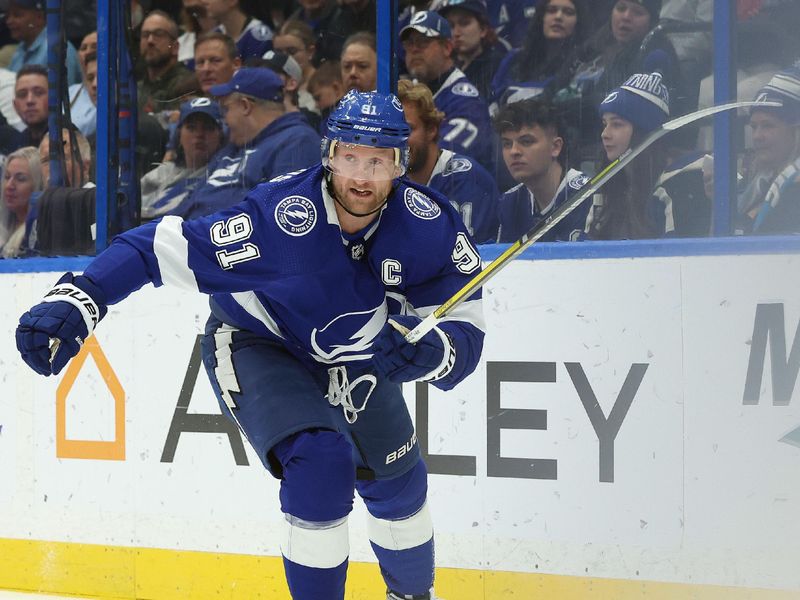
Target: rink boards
[633, 431]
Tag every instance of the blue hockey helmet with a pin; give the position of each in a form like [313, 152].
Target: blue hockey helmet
[368, 119]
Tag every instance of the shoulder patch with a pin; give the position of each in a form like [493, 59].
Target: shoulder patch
[578, 182]
[457, 165]
[262, 33]
[420, 205]
[296, 215]
[465, 88]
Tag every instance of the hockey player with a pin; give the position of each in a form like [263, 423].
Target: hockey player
[303, 275]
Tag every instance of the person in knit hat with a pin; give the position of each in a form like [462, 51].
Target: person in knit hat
[770, 203]
[628, 113]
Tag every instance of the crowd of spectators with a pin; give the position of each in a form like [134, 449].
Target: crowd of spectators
[513, 106]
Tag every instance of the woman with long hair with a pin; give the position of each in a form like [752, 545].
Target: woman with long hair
[557, 29]
[22, 177]
[629, 113]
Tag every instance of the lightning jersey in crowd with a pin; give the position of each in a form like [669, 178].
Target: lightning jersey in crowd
[286, 144]
[471, 191]
[254, 41]
[466, 128]
[278, 264]
[510, 19]
[505, 90]
[519, 212]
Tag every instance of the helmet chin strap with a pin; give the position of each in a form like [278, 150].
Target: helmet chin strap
[332, 192]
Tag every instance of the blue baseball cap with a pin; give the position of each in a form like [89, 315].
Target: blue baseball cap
[204, 106]
[258, 82]
[429, 23]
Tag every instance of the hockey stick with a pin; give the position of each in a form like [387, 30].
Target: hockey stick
[560, 213]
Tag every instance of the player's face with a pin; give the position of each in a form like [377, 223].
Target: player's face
[468, 33]
[629, 21]
[774, 140]
[213, 64]
[529, 152]
[560, 18]
[362, 176]
[426, 57]
[200, 138]
[359, 68]
[616, 136]
[30, 98]
[420, 140]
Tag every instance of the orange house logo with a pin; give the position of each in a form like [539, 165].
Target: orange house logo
[90, 449]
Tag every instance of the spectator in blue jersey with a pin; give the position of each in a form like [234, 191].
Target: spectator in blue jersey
[770, 202]
[252, 36]
[22, 177]
[312, 278]
[30, 102]
[534, 142]
[26, 23]
[200, 135]
[476, 50]
[429, 59]
[264, 142]
[510, 19]
[556, 30]
[359, 62]
[216, 59]
[469, 187]
[623, 209]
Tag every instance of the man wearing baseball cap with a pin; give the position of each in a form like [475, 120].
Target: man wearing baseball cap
[26, 23]
[288, 69]
[429, 60]
[200, 135]
[264, 141]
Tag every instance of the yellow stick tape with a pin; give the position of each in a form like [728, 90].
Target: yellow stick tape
[119, 573]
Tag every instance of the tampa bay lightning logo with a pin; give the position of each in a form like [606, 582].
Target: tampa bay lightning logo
[336, 342]
[456, 165]
[420, 205]
[610, 98]
[578, 182]
[465, 88]
[296, 215]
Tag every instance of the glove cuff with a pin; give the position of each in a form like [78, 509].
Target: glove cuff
[66, 291]
[448, 358]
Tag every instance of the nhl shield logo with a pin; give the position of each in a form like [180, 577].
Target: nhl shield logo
[296, 215]
[420, 205]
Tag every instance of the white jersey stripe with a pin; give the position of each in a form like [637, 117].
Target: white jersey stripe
[403, 534]
[172, 252]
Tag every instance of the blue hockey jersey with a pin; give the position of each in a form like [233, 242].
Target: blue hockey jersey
[278, 264]
[471, 191]
[287, 144]
[254, 41]
[466, 128]
[510, 19]
[519, 212]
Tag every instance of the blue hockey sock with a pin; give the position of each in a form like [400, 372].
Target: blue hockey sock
[407, 572]
[311, 583]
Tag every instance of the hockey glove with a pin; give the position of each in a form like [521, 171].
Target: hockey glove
[431, 358]
[66, 317]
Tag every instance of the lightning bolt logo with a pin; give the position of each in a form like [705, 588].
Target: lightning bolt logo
[296, 215]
